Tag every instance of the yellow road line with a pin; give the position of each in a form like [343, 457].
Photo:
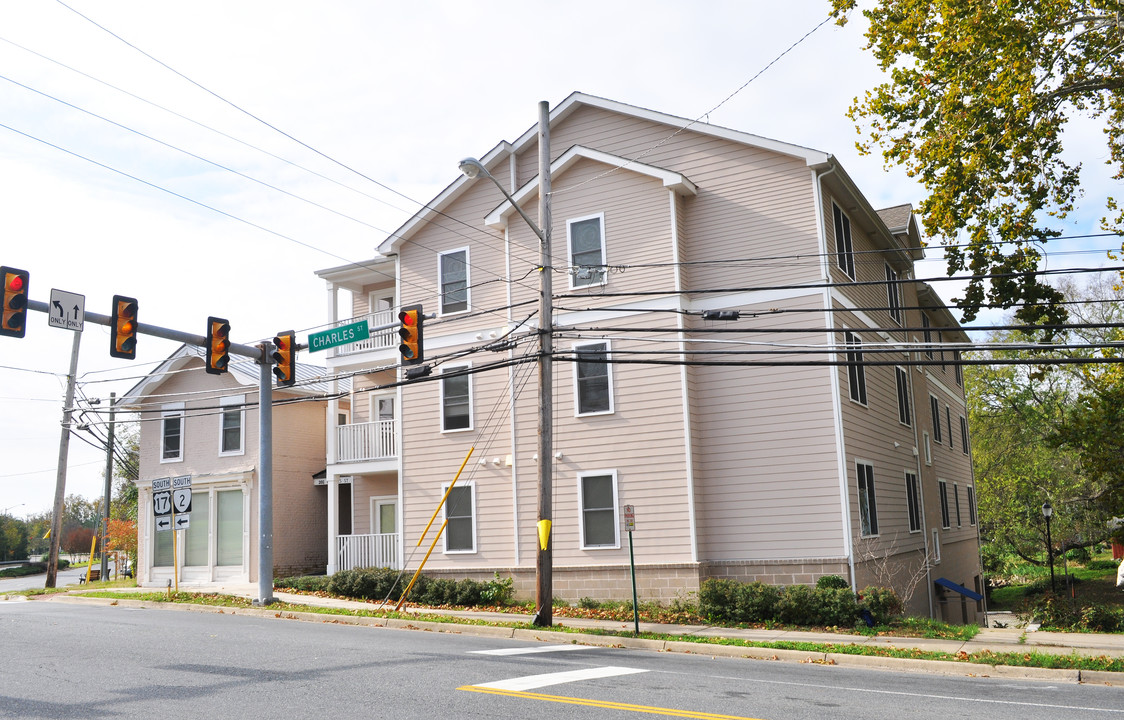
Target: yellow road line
[607, 704]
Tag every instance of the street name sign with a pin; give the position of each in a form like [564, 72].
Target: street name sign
[67, 310]
[342, 335]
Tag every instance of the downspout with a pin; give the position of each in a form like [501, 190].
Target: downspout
[837, 410]
[917, 450]
[688, 443]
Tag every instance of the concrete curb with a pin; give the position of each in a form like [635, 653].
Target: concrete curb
[872, 662]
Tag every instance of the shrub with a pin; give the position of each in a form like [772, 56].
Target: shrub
[717, 599]
[838, 607]
[499, 591]
[799, 605]
[833, 582]
[1102, 565]
[305, 583]
[367, 584]
[883, 604]
[756, 602]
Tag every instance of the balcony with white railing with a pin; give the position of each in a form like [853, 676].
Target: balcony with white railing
[358, 551]
[360, 442]
[379, 339]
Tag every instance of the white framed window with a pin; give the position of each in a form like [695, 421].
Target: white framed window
[935, 549]
[384, 514]
[597, 503]
[971, 504]
[913, 501]
[927, 335]
[593, 379]
[868, 508]
[460, 512]
[456, 399]
[585, 238]
[232, 425]
[935, 412]
[928, 449]
[893, 295]
[171, 432]
[844, 250]
[905, 414]
[856, 373]
[942, 488]
[963, 435]
[452, 271]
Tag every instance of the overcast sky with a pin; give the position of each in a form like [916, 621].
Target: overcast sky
[396, 91]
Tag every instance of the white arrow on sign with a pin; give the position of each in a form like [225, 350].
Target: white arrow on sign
[163, 523]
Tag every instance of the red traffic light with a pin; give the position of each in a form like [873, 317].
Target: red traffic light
[410, 331]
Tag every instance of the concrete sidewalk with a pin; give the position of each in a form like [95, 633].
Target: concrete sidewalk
[999, 640]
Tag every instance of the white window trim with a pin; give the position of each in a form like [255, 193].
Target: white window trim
[852, 343]
[901, 377]
[471, 485]
[936, 546]
[927, 447]
[893, 294]
[441, 385]
[575, 348]
[858, 495]
[570, 252]
[167, 411]
[376, 502]
[616, 511]
[846, 258]
[441, 312]
[233, 400]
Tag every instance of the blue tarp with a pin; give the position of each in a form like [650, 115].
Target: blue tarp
[959, 588]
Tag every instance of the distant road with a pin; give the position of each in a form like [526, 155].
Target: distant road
[30, 582]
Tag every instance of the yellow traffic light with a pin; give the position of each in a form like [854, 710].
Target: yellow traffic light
[285, 355]
[13, 322]
[123, 343]
[218, 345]
[410, 331]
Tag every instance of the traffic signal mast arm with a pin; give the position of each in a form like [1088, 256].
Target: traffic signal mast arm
[250, 351]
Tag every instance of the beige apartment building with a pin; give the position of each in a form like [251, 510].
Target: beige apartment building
[821, 432]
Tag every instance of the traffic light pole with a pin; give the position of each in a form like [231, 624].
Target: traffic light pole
[263, 355]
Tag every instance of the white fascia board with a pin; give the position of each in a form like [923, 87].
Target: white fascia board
[453, 191]
[577, 99]
[676, 182]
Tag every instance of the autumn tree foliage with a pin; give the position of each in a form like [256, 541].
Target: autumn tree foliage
[978, 97]
[123, 537]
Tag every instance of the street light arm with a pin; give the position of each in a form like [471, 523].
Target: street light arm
[473, 168]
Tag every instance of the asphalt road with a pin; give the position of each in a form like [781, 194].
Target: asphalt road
[68, 576]
[76, 661]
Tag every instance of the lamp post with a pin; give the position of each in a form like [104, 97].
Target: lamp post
[5, 510]
[1047, 512]
[544, 565]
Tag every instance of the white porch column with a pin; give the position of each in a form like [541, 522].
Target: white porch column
[333, 521]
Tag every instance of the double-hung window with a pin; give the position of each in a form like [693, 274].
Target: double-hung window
[453, 272]
[935, 411]
[171, 433]
[942, 487]
[868, 509]
[893, 294]
[456, 399]
[905, 417]
[913, 501]
[948, 422]
[593, 381]
[232, 425]
[971, 504]
[956, 502]
[927, 335]
[856, 374]
[460, 513]
[586, 238]
[963, 435]
[597, 493]
[844, 250]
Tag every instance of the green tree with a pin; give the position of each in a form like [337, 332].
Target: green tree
[978, 98]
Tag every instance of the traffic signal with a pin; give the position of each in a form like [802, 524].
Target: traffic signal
[123, 344]
[218, 345]
[14, 320]
[410, 331]
[285, 355]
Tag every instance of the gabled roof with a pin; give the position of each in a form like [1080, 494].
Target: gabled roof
[674, 181]
[813, 158]
[310, 378]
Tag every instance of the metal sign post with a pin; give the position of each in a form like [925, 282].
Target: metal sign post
[630, 525]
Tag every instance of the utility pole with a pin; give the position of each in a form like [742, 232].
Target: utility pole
[60, 477]
[544, 563]
[108, 490]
